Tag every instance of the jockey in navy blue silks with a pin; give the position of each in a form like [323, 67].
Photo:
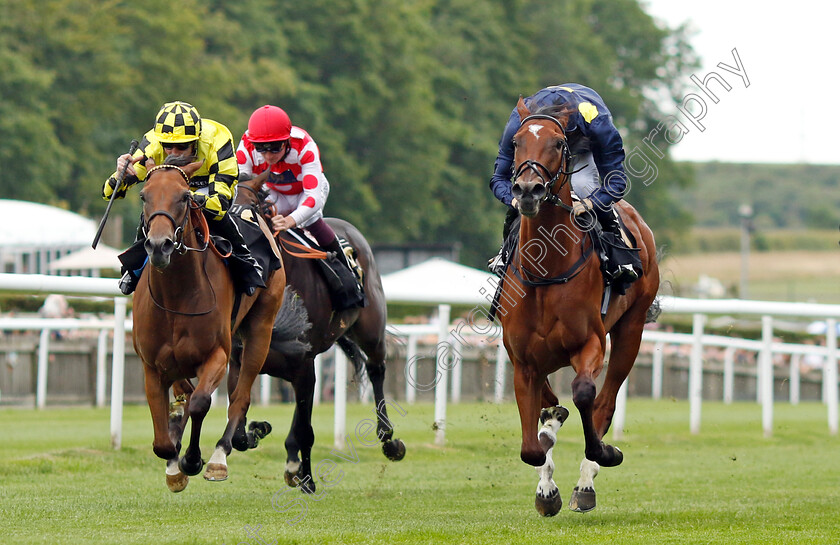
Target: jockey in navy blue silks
[598, 154]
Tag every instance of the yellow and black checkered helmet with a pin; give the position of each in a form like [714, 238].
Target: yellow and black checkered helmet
[177, 122]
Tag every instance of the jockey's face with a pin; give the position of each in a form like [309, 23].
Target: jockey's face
[182, 149]
[272, 152]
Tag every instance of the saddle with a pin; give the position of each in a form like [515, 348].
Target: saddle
[611, 249]
[257, 237]
[346, 287]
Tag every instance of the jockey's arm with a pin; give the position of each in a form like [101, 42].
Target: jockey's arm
[136, 171]
[312, 177]
[608, 153]
[224, 174]
[500, 182]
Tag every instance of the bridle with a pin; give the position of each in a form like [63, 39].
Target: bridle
[542, 171]
[180, 247]
[527, 277]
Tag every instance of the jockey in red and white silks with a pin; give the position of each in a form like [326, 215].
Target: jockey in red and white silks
[297, 185]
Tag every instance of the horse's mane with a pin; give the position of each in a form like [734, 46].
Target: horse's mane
[560, 112]
[179, 160]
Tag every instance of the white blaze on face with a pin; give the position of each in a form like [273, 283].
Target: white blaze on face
[535, 129]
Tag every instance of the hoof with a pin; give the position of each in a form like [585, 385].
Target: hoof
[289, 477]
[394, 450]
[582, 500]
[550, 506]
[239, 442]
[612, 456]
[260, 429]
[559, 413]
[307, 486]
[188, 468]
[178, 482]
[216, 472]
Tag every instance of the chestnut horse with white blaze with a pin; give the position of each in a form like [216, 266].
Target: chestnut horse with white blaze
[183, 323]
[551, 310]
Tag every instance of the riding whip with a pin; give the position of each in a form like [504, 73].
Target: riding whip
[131, 150]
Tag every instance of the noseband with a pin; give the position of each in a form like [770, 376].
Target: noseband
[542, 171]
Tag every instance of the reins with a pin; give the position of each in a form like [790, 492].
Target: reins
[305, 251]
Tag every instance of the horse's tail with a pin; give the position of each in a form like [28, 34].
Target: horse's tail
[354, 353]
[655, 308]
[290, 325]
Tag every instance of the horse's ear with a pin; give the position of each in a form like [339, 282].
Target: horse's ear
[522, 109]
[192, 167]
[261, 179]
[564, 115]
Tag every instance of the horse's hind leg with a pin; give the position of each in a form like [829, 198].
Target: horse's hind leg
[302, 435]
[292, 451]
[392, 448]
[157, 395]
[626, 336]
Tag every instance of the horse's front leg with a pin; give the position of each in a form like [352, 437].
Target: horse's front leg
[528, 389]
[157, 395]
[588, 363]
[548, 501]
[210, 375]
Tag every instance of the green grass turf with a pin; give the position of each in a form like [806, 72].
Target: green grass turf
[61, 483]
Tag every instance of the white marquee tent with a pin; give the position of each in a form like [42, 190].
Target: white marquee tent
[33, 235]
[439, 281]
[103, 257]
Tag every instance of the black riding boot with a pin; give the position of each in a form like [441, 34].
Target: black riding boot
[133, 260]
[347, 288]
[624, 266]
[498, 263]
[246, 272]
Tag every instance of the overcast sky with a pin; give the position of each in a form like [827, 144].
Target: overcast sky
[790, 112]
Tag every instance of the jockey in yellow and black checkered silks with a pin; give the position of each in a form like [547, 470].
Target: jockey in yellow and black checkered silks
[180, 130]
[177, 124]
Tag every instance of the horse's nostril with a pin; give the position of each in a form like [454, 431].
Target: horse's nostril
[167, 247]
[539, 191]
[516, 191]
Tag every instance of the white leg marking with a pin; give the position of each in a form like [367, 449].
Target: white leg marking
[292, 467]
[546, 488]
[588, 472]
[219, 457]
[172, 468]
[547, 436]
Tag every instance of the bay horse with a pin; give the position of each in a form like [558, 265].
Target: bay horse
[183, 323]
[550, 310]
[359, 332]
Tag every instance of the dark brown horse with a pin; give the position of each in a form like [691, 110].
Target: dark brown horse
[183, 323]
[359, 332]
[550, 311]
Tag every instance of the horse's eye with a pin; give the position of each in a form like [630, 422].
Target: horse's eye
[513, 143]
[560, 144]
[142, 197]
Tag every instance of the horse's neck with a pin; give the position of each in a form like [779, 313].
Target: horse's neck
[550, 243]
[185, 275]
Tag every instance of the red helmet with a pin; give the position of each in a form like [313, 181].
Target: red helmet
[269, 124]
